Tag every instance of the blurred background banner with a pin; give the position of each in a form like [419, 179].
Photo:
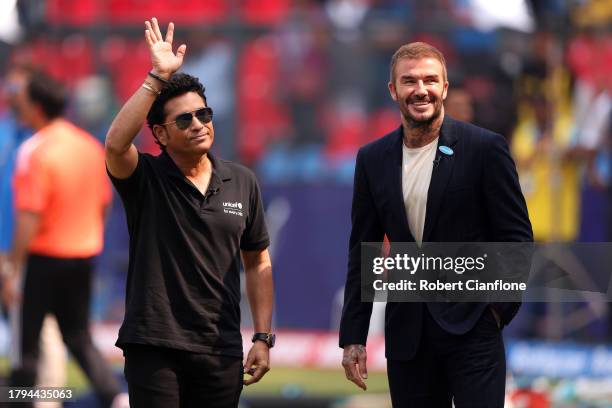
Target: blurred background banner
[297, 87]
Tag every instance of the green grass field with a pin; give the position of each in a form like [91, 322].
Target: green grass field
[313, 382]
[279, 381]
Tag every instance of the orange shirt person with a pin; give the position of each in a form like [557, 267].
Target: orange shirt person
[61, 196]
[56, 178]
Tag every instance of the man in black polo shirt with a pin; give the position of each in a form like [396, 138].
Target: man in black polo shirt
[191, 216]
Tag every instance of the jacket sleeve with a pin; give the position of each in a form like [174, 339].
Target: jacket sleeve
[506, 209]
[365, 227]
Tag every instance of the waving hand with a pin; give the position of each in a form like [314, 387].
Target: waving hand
[164, 61]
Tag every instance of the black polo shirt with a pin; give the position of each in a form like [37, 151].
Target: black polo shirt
[183, 284]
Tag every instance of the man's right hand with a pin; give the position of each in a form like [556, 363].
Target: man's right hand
[354, 363]
[164, 61]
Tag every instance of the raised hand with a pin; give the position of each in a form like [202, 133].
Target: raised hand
[164, 61]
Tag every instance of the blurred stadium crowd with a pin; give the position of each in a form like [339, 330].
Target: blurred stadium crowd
[298, 86]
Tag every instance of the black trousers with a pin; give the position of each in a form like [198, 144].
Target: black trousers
[160, 377]
[61, 287]
[469, 369]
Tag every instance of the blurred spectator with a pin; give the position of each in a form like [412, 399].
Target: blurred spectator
[590, 58]
[212, 59]
[459, 104]
[543, 144]
[93, 103]
[61, 193]
[11, 136]
[304, 55]
[548, 164]
[549, 177]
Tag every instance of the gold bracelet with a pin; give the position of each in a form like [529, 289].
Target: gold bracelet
[146, 85]
[152, 86]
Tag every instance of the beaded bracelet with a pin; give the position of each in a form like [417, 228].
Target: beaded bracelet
[160, 79]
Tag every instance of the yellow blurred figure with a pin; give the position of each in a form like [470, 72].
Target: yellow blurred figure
[549, 176]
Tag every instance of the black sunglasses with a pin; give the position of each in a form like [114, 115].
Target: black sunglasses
[183, 121]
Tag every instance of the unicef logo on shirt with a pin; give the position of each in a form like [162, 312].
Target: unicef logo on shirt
[234, 208]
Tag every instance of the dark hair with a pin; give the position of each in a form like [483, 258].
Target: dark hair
[179, 84]
[48, 93]
[416, 50]
[26, 68]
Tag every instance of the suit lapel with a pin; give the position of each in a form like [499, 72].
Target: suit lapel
[440, 176]
[394, 169]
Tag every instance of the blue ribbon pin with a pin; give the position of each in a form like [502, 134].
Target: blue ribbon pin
[446, 150]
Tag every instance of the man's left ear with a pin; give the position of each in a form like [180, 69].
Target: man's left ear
[445, 91]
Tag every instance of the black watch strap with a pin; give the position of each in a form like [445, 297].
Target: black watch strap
[268, 338]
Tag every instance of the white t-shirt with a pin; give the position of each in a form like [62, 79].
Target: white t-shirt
[417, 165]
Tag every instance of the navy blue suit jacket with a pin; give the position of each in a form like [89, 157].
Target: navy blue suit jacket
[474, 196]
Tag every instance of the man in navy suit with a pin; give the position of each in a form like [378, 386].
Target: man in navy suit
[435, 179]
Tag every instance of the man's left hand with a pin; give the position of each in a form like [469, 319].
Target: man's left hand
[257, 362]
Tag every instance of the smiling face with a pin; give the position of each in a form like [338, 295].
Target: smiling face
[419, 87]
[196, 139]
